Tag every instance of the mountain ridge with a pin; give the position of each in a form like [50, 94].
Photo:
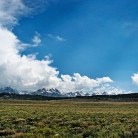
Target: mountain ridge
[53, 92]
[8, 90]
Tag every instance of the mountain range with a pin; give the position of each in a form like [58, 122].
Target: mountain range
[56, 93]
[8, 90]
[49, 92]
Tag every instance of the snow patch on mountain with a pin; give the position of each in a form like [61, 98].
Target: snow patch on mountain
[48, 92]
[74, 94]
[8, 90]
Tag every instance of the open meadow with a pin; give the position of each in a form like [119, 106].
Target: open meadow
[68, 119]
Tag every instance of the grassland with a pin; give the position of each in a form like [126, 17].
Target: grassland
[68, 119]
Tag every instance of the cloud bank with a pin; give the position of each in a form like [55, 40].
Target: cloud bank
[26, 72]
[109, 90]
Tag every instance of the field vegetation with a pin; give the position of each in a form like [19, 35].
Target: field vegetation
[68, 119]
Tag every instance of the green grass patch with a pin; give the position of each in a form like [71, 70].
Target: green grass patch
[68, 119]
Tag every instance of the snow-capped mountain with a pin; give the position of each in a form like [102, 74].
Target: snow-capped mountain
[24, 92]
[48, 92]
[74, 94]
[44, 92]
[56, 93]
[8, 90]
[106, 93]
[96, 93]
[103, 93]
[51, 92]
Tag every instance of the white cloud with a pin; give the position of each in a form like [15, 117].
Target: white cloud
[22, 72]
[78, 82]
[135, 78]
[26, 72]
[37, 6]
[104, 80]
[109, 90]
[36, 40]
[58, 38]
[8, 12]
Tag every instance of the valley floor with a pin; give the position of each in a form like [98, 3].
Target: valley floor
[68, 119]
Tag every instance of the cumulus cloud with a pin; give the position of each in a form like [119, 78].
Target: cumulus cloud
[58, 38]
[26, 72]
[78, 82]
[36, 40]
[22, 72]
[135, 78]
[109, 90]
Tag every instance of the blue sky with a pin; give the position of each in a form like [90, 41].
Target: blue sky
[94, 39]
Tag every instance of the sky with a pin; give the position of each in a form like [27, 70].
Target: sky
[71, 45]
